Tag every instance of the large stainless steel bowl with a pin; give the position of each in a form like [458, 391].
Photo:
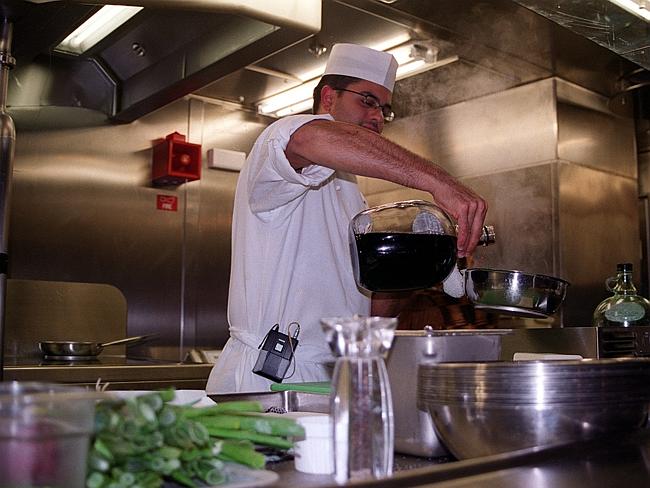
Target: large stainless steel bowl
[515, 292]
[480, 409]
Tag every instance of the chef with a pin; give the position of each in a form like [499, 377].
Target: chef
[294, 200]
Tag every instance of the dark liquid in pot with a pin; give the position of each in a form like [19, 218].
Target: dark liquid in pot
[400, 261]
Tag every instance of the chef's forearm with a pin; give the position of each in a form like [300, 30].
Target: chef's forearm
[353, 149]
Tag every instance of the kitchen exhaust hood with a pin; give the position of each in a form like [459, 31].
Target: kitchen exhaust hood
[300, 14]
[609, 23]
[167, 50]
[622, 26]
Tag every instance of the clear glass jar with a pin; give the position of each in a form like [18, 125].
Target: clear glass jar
[361, 404]
[45, 432]
[402, 246]
[625, 308]
[407, 245]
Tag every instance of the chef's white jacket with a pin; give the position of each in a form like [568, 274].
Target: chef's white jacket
[290, 260]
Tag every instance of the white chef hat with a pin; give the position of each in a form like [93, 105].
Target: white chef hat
[364, 63]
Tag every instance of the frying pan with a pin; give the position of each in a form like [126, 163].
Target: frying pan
[80, 350]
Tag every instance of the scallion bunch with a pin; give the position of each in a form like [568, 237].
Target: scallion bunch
[142, 441]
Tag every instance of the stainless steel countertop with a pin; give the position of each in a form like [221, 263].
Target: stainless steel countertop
[613, 461]
[120, 372]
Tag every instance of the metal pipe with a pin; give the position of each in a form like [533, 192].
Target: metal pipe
[7, 145]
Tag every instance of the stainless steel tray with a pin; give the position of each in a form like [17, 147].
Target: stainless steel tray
[287, 401]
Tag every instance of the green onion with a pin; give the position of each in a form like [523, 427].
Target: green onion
[98, 463]
[167, 416]
[142, 441]
[183, 478]
[95, 480]
[244, 453]
[266, 440]
[224, 407]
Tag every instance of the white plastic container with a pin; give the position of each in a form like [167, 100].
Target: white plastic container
[314, 455]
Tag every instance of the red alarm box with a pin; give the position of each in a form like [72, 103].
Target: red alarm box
[176, 161]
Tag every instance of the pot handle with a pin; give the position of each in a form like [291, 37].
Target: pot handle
[125, 341]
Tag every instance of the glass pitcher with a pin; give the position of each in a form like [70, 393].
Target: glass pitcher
[407, 245]
[361, 403]
[402, 246]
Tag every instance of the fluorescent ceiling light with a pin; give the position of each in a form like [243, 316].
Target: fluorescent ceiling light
[636, 7]
[298, 94]
[412, 59]
[101, 24]
[420, 66]
[391, 42]
[296, 108]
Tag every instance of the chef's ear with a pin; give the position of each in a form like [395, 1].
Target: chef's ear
[327, 94]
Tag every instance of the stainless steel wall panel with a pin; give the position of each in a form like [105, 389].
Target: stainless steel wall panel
[59, 311]
[567, 92]
[644, 173]
[498, 132]
[373, 186]
[598, 228]
[209, 245]
[522, 210]
[593, 138]
[228, 128]
[91, 218]
[643, 135]
[209, 260]
[85, 211]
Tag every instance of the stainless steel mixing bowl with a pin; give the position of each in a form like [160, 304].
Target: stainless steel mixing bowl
[480, 409]
[515, 292]
[476, 430]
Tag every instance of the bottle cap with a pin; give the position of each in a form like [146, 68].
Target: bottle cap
[488, 236]
[624, 267]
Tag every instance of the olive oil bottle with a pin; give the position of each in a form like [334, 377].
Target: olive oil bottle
[625, 308]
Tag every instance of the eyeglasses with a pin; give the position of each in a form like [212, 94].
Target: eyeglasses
[372, 102]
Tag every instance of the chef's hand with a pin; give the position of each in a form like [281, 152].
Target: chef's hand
[468, 209]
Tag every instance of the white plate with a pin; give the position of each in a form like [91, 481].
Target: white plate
[198, 398]
[242, 477]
